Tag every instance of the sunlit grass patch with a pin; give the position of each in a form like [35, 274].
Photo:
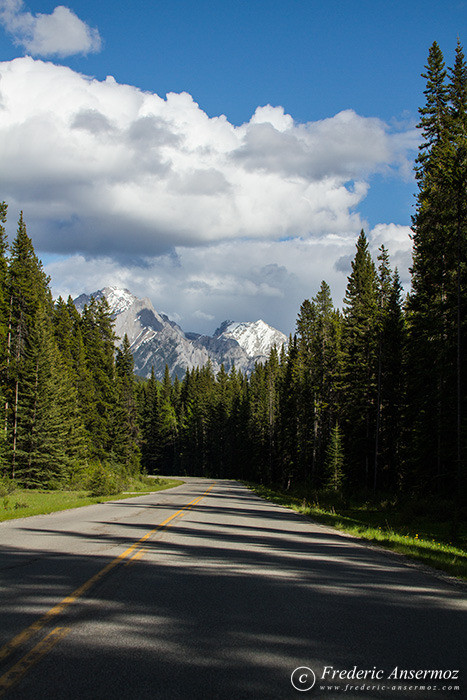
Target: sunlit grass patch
[21, 503]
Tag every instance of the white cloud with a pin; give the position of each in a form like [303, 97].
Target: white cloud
[209, 220]
[103, 168]
[60, 34]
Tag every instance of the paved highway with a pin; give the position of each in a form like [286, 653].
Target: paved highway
[205, 591]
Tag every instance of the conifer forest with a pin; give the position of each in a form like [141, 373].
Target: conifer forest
[371, 396]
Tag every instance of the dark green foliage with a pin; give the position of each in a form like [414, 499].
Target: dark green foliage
[3, 281]
[360, 364]
[125, 419]
[66, 399]
[437, 322]
[3, 332]
[335, 460]
[319, 331]
[100, 389]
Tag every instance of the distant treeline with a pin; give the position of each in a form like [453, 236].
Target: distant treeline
[370, 397]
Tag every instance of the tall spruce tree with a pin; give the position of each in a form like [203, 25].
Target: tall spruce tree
[334, 464]
[126, 432]
[360, 365]
[3, 331]
[319, 348]
[27, 287]
[100, 391]
[46, 439]
[437, 319]
[3, 284]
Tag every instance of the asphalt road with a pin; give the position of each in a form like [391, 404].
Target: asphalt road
[200, 594]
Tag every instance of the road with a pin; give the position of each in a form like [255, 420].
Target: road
[205, 591]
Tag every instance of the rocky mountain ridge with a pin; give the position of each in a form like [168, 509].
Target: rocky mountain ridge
[156, 340]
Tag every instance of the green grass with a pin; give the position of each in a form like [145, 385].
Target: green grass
[25, 502]
[401, 529]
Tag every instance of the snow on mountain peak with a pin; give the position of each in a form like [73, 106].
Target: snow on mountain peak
[156, 340]
[255, 337]
[118, 299]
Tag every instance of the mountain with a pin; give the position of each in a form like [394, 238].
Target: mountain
[255, 338]
[156, 340]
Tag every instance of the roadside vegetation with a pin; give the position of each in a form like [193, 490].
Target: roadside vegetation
[419, 529]
[16, 502]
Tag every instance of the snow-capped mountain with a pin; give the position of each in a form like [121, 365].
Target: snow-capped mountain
[256, 338]
[156, 340]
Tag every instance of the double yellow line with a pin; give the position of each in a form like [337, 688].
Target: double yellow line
[16, 672]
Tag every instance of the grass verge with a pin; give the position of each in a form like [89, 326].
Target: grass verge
[418, 538]
[25, 502]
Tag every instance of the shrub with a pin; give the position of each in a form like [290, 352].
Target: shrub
[103, 481]
[7, 485]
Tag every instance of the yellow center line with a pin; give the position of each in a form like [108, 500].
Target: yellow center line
[16, 672]
[138, 554]
[36, 626]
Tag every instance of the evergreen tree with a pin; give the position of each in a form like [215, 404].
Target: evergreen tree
[434, 113]
[335, 460]
[3, 285]
[437, 319]
[360, 364]
[125, 419]
[98, 342]
[288, 425]
[50, 436]
[168, 425]
[149, 418]
[27, 287]
[3, 330]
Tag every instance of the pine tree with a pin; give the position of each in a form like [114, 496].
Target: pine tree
[46, 436]
[98, 342]
[50, 437]
[433, 114]
[389, 397]
[3, 332]
[458, 130]
[3, 285]
[288, 422]
[335, 460]
[149, 412]
[318, 335]
[168, 425]
[360, 364]
[27, 287]
[126, 431]
[436, 317]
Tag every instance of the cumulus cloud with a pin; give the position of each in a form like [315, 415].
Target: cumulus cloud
[208, 219]
[102, 168]
[60, 34]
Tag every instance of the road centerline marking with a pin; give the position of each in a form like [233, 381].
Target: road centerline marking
[26, 634]
[21, 667]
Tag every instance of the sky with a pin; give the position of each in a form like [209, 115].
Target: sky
[219, 157]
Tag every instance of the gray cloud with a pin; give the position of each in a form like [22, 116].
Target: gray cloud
[91, 120]
[343, 264]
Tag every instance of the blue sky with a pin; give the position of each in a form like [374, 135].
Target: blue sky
[226, 234]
